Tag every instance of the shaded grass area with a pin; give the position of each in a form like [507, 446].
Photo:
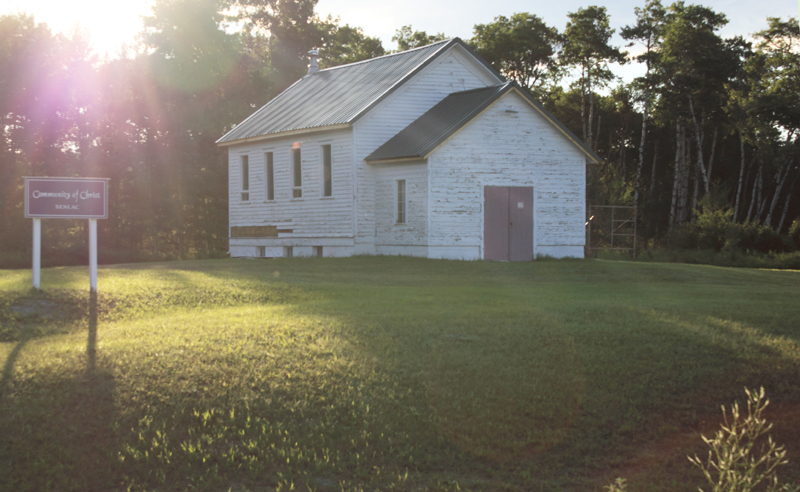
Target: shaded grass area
[386, 373]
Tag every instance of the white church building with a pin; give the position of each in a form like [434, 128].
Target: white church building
[429, 152]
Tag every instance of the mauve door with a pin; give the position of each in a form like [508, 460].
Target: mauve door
[520, 223]
[495, 223]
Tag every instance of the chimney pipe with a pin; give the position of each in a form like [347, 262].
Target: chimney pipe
[313, 66]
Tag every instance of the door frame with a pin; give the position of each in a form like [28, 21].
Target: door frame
[483, 213]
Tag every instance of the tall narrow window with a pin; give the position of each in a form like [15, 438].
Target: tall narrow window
[401, 201]
[270, 176]
[297, 184]
[327, 188]
[245, 170]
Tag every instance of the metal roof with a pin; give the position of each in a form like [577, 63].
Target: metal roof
[419, 139]
[338, 95]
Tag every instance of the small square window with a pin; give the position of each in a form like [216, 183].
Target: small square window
[318, 251]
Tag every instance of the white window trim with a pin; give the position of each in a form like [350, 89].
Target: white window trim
[322, 169]
[269, 180]
[397, 202]
[245, 191]
[293, 172]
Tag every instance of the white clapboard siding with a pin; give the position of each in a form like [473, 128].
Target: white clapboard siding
[414, 231]
[312, 216]
[509, 144]
[452, 72]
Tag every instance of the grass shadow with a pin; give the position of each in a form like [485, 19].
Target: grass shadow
[64, 415]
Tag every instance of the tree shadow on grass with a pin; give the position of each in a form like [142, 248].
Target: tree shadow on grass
[57, 421]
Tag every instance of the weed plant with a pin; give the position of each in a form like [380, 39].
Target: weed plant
[743, 457]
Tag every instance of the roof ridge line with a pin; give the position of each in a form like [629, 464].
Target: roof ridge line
[444, 41]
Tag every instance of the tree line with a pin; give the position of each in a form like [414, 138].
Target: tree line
[708, 133]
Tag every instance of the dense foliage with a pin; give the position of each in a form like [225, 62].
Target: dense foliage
[708, 133]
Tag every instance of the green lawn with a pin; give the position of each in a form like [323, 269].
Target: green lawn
[377, 373]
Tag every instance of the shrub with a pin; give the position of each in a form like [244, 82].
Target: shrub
[743, 457]
[794, 234]
[716, 230]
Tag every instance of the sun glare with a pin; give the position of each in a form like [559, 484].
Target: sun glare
[109, 24]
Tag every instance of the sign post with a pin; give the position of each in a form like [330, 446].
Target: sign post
[37, 252]
[65, 198]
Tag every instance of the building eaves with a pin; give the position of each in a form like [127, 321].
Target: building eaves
[427, 132]
[419, 139]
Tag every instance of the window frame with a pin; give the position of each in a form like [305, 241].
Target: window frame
[401, 202]
[297, 173]
[244, 177]
[269, 176]
[326, 158]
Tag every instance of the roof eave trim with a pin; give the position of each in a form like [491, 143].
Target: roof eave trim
[396, 159]
[253, 114]
[269, 136]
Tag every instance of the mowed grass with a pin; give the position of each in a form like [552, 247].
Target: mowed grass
[376, 373]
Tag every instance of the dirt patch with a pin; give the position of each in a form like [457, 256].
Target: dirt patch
[668, 457]
[42, 309]
[25, 317]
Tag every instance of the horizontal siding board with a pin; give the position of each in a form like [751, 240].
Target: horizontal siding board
[312, 214]
[449, 73]
[414, 231]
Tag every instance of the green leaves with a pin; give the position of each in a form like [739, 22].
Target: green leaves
[523, 48]
[407, 39]
[743, 457]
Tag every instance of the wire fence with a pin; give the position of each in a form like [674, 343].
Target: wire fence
[610, 228]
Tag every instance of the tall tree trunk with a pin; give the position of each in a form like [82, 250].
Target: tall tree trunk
[780, 182]
[673, 211]
[653, 169]
[699, 139]
[753, 195]
[786, 204]
[760, 203]
[640, 164]
[591, 106]
[741, 175]
[622, 149]
[713, 152]
[586, 139]
[695, 192]
[683, 204]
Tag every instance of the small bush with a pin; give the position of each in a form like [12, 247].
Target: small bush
[743, 457]
[794, 234]
[716, 230]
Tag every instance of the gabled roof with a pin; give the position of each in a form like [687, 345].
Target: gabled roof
[338, 96]
[419, 139]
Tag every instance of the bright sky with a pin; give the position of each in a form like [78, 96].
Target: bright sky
[112, 23]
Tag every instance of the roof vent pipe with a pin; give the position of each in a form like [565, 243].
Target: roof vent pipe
[313, 66]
